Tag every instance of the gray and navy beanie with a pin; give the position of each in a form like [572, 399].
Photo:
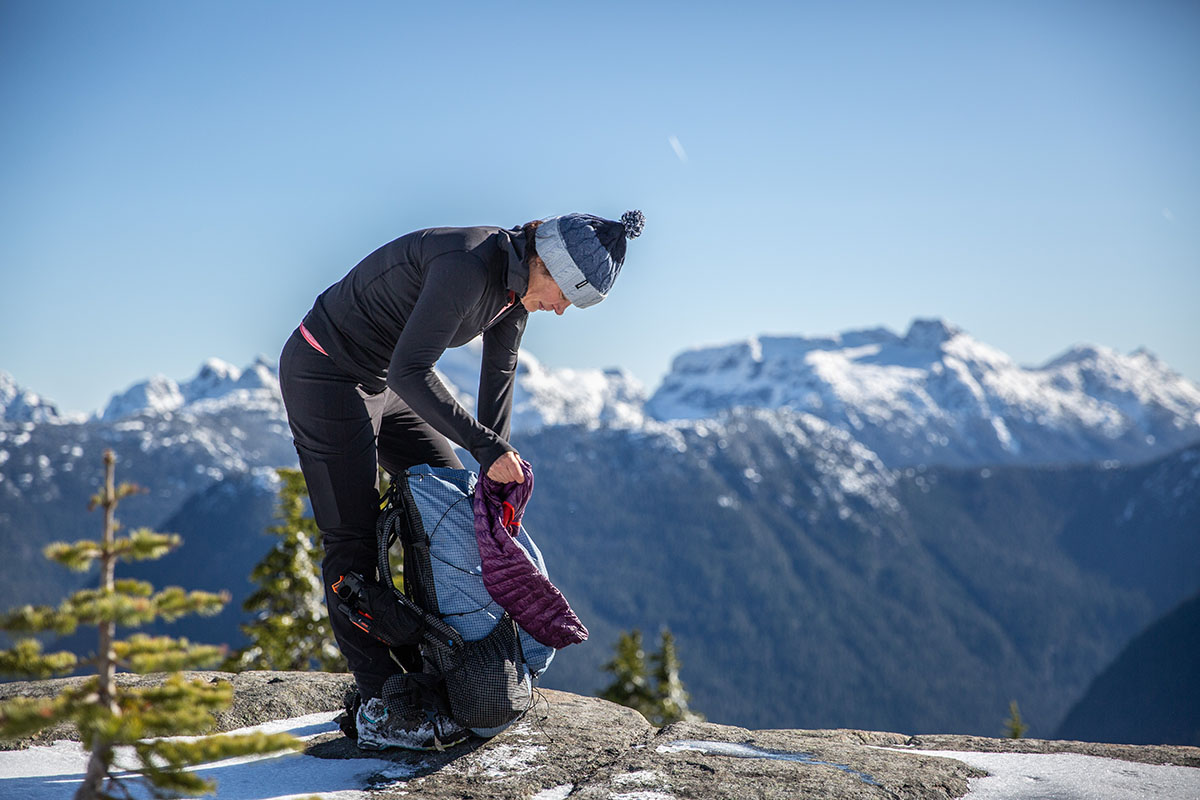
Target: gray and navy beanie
[584, 254]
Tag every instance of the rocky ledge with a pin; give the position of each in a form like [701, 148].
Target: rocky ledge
[587, 748]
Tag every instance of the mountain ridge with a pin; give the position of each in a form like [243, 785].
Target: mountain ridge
[938, 396]
[934, 395]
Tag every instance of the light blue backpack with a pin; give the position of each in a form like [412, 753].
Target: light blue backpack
[491, 671]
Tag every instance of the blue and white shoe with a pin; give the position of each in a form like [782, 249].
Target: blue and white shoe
[379, 729]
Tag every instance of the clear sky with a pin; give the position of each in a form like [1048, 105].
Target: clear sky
[179, 180]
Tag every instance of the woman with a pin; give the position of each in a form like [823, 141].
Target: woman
[360, 389]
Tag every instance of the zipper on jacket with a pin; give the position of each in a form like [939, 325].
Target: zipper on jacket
[512, 299]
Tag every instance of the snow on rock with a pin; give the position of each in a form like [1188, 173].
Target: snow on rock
[936, 395]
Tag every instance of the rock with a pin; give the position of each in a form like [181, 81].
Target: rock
[706, 760]
[563, 741]
[595, 750]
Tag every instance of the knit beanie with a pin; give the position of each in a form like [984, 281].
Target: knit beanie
[584, 253]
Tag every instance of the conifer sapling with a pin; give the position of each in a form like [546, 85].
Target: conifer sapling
[291, 629]
[657, 694]
[107, 715]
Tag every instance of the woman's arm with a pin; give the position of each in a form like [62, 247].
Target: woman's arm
[498, 370]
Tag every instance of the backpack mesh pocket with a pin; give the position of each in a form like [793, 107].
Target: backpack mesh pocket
[486, 680]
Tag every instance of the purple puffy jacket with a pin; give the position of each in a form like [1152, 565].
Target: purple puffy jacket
[510, 576]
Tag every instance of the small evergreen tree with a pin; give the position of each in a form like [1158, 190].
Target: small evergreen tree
[631, 685]
[671, 696]
[107, 715]
[291, 629]
[651, 686]
[1014, 727]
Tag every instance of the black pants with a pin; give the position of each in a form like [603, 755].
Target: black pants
[341, 434]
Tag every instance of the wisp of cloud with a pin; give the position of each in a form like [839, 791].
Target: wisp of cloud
[678, 148]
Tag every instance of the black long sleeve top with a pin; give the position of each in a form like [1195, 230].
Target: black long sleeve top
[388, 321]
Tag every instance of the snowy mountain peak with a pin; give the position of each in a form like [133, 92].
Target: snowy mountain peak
[1081, 354]
[20, 405]
[259, 375]
[158, 395]
[930, 334]
[217, 381]
[215, 378]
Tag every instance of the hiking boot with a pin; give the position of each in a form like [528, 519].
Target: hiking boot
[379, 729]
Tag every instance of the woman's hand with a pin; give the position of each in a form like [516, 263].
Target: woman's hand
[507, 469]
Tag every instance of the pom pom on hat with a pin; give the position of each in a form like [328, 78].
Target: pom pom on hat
[584, 253]
[633, 221]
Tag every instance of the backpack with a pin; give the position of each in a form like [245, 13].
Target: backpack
[478, 665]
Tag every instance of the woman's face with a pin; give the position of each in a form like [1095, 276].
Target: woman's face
[543, 293]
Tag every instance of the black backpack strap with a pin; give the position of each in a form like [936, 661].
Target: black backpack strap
[389, 616]
[401, 522]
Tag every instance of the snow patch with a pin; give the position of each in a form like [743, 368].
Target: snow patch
[645, 777]
[1033, 776]
[54, 772]
[501, 760]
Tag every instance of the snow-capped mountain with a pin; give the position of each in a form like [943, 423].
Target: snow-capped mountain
[932, 396]
[20, 405]
[938, 396]
[217, 385]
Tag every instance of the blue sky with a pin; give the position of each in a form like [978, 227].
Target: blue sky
[180, 180]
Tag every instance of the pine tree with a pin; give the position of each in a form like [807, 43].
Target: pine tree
[651, 686]
[631, 684]
[670, 695]
[1014, 727]
[107, 715]
[291, 630]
